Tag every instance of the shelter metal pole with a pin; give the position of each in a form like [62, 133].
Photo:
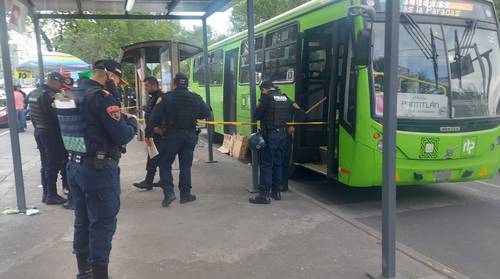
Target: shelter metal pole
[11, 110]
[41, 73]
[210, 128]
[389, 141]
[252, 84]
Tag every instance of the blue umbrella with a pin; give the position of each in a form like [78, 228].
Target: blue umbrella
[55, 61]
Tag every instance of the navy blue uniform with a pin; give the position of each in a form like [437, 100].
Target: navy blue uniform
[48, 139]
[179, 109]
[274, 111]
[95, 137]
[152, 164]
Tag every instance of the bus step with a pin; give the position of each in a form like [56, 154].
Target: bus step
[316, 167]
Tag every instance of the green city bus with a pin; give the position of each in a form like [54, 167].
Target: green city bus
[448, 87]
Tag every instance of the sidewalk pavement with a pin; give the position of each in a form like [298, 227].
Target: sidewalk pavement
[219, 236]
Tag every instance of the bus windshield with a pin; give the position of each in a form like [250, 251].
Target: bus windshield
[444, 71]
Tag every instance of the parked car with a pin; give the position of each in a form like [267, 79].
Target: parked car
[4, 121]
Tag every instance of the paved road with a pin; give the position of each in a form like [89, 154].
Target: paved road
[457, 224]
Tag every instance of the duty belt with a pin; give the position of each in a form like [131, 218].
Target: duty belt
[93, 161]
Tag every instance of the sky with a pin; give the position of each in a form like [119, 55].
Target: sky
[219, 22]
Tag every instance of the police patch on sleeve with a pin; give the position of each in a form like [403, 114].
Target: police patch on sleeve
[158, 101]
[114, 112]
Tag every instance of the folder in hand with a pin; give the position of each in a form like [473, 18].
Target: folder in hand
[152, 150]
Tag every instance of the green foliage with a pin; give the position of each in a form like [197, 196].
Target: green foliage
[91, 40]
[96, 39]
[497, 6]
[263, 10]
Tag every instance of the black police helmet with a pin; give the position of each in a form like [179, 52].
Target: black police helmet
[181, 80]
[256, 142]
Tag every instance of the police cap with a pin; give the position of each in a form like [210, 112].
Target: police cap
[55, 76]
[110, 66]
[181, 80]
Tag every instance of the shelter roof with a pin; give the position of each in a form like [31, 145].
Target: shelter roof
[173, 8]
[152, 51]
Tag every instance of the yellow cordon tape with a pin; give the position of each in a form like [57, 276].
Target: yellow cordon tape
[254, 123]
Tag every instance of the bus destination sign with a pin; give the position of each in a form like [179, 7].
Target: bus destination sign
[453, 8]
[432, 7]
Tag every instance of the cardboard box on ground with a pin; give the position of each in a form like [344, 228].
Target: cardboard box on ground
[235, 146]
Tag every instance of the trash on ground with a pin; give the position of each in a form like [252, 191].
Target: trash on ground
[10, 211]
[32, 211]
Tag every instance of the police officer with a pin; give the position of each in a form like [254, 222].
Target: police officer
[273, 111]
[152, 87]
[48, 137]
[179, 109]
[94, 131]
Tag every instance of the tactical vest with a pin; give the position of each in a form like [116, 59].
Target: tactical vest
[38, 117]
[278, 111]
[73, 127]
[185, 110]
[151, 104]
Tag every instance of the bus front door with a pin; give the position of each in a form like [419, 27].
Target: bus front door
[315, 146]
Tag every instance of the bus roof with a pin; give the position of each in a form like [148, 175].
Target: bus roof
[289, 15]
[293, 13]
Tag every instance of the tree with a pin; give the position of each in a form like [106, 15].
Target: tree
[497, 6]
[263, 10]
[91, 40]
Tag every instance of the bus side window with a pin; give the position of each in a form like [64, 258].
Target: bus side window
[197, 68]
[280, 54]
[244, 59]
[215, 61]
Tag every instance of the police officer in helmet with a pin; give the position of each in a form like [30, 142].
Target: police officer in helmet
[94, 130]
[273, 111]
[178, 109]
[152, 87]
[48, 137]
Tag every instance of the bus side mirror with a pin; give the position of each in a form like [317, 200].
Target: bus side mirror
[363, 48]
[363, 45]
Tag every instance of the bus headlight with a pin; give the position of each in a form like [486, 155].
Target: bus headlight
[380, 145]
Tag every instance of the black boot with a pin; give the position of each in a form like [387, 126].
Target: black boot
[261, 198]
[84, 269]
[54, 199]
[275, 193]
[68, 205]
[168, 200]
[187, 197]
[100, 271]
[147, 183]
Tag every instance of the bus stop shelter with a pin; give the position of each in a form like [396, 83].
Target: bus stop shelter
[201, 10]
